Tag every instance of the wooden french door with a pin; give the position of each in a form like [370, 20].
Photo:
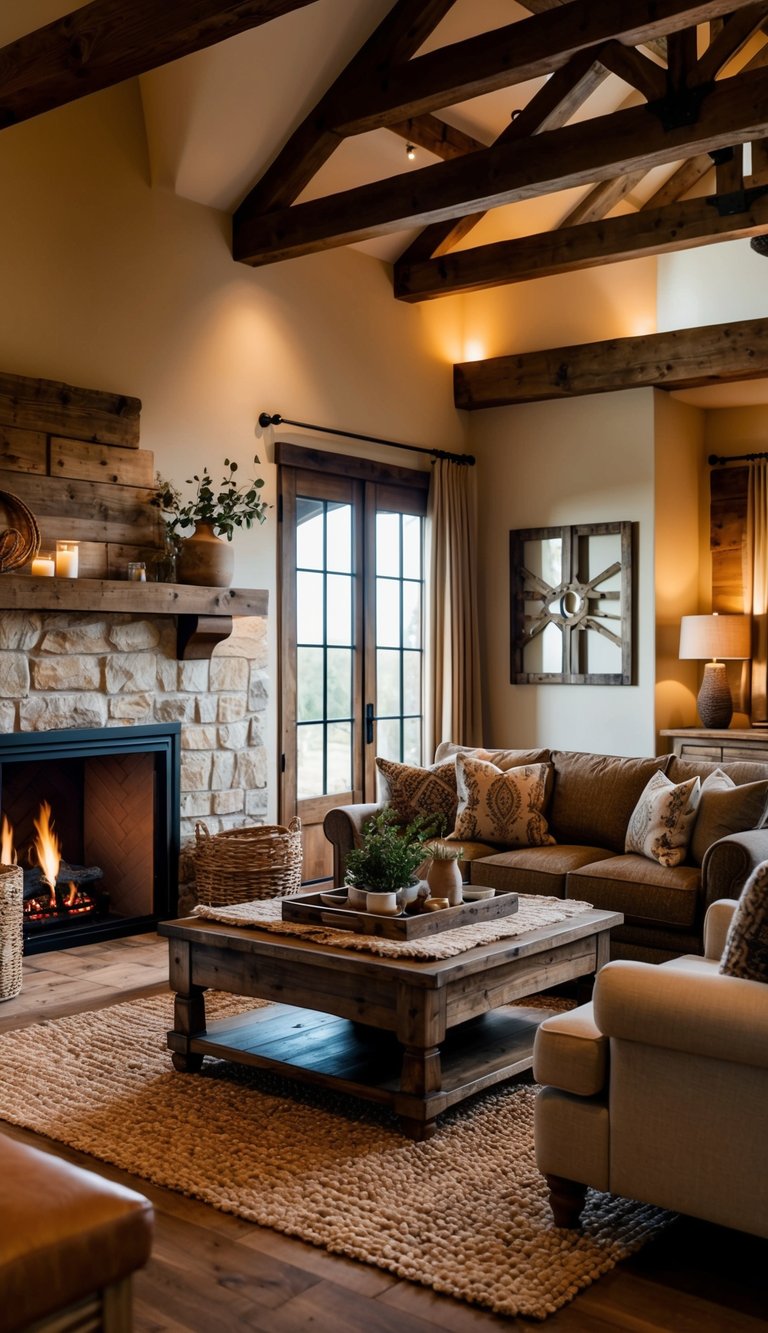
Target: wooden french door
[352, 639]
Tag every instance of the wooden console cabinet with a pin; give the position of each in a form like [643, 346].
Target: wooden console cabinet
[698, 743]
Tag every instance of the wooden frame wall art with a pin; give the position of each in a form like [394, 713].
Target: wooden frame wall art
[571, 605]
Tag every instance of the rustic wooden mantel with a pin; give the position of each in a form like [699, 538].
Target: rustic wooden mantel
[204, 614]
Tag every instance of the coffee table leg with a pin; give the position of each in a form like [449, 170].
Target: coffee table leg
[188, 1010]
[420, 1029]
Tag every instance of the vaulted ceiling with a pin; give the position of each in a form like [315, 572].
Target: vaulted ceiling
[547, 135]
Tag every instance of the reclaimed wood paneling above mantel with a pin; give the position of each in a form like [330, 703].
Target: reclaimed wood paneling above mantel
[204, 614]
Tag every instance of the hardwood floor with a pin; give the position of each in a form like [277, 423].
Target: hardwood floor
[210, 1272]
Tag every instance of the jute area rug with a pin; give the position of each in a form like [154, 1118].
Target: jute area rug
[464, 1213]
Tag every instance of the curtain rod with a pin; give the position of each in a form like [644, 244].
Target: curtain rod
[274, 419]
[714, 459]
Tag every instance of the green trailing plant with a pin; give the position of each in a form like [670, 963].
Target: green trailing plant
[388, 854]
[227, 506]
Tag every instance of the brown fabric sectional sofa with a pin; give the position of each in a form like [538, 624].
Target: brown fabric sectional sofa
[592, 799]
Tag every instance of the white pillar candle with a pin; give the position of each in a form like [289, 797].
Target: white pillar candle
[67, 559]
[43, 567]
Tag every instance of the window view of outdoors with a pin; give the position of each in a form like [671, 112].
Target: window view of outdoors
[324, 652]
[399, 636]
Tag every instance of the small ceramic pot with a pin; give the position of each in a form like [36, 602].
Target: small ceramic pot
[382, 904]
[356, 897]
[444, 880]
[435, 904]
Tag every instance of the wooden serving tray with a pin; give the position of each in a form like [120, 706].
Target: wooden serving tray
[309, 909]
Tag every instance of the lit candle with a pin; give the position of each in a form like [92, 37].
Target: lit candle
[43, 567]
[67, 557]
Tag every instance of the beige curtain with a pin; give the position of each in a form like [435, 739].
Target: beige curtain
[453, 701]
[756, 586]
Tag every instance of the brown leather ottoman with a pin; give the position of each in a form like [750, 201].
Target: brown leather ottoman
[69, 1241]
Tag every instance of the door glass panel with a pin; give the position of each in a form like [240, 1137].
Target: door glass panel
[339, 667]
[339, 740]
[388, 613]
[412, 740]
[412, 683]
[339, 612]
[309, 607]
[339, 557]
[309, 534]
[309, 760]
[309, 684]
[388, 682]
[411, 615]
[388, 739]
[388, 544]
[411, 546]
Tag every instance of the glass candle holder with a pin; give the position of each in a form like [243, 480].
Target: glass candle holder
[137, 571]
[67, 559]
[43, 567]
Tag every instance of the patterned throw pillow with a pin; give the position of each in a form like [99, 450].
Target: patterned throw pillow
[661, 823]
[746, 946]
[725, 808]
[419, 791]
[502, 807]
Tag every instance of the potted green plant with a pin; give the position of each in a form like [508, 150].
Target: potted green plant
[388, 854]
[212, 512]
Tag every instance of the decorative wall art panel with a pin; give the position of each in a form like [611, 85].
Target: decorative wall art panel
[571, 605]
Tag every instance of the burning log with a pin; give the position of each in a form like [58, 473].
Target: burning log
[35, 882]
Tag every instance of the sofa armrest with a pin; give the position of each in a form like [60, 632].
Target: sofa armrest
[729, 862]
[343, 827]
[571, 1053]
[724, 1018]
[716, 923]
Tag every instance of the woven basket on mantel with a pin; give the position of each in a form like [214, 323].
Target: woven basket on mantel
[240, 864]
[11, 930]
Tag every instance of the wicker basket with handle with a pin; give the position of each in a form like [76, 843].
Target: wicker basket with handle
[11, 930]
[238, 865]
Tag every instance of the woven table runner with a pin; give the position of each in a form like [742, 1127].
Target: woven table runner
[533, 912]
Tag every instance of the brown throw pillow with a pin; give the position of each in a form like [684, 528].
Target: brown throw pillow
[746, 947]
[502, 807]
[726, 809]
[661, 823]
[419, 791]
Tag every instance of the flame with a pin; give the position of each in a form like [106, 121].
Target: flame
[47, 846]
[7, 849]
[71, 897]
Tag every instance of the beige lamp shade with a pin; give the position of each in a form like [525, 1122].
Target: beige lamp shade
[715, 637]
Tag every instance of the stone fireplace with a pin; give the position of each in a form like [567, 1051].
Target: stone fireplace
[102, 674]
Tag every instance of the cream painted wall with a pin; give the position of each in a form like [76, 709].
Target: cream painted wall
[681, 500]
[711, 284]
[589, 460]
[111, 284]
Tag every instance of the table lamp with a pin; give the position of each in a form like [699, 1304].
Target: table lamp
[721, 639]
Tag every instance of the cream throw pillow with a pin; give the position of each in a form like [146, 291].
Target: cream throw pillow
[661, 823]
[502, 806]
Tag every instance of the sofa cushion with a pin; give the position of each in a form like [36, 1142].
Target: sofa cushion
[661, 823]
[502, 807]
[534, 869]
[642, 889]
[726, 810]
[746, 946]
[741, 770]
[419, 791]
[594, 795]
[503, 759]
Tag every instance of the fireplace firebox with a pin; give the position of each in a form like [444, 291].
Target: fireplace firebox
[92, 816]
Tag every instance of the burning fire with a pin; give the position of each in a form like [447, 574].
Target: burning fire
[7, 849]
[47, 847]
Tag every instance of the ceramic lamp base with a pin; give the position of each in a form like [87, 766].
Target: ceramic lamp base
[715, 704]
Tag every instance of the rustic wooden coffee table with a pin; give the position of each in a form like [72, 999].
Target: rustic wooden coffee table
[417, 1036]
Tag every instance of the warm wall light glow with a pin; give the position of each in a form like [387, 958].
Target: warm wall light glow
[641, 325]
[474, 350]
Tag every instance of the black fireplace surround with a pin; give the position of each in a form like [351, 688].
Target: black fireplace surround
[114, 798]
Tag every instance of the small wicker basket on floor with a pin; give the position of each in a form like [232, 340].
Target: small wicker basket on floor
[11, 930]
[238, 865]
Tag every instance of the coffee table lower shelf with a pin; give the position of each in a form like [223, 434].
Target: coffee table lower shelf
[319, 1048]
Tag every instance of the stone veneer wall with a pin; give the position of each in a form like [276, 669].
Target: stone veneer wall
[64, 669]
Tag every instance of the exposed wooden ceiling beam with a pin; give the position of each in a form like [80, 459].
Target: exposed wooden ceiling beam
[734, 111]
[599, 201]
[402, 32]
[678, 226]
[657, 45]
[635, 69]
[513, 54]
[682, 359]
[108, 41]
[437, 136]
[549, 108]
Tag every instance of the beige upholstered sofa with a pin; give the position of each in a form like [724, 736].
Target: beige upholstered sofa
[657, 1090]
[589, 808]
